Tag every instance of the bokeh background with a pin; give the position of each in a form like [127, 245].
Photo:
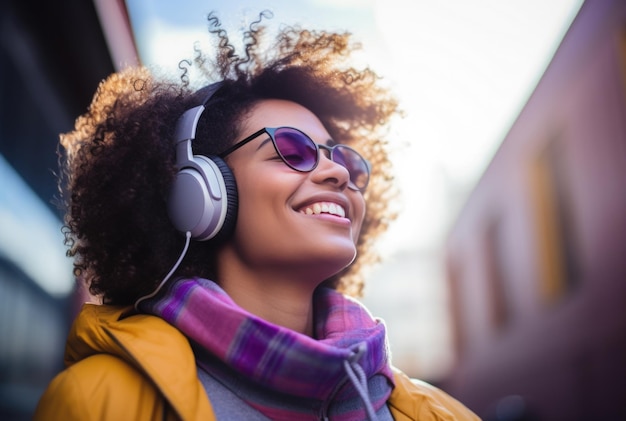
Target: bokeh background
[503, 280]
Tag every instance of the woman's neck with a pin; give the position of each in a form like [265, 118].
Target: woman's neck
[280, 292]
[284, 302]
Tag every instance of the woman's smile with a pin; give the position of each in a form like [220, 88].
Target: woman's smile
[325, 208]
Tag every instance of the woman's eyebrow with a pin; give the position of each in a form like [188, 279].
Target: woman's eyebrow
[269, 139]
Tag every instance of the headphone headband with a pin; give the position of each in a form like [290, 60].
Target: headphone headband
[188, 122]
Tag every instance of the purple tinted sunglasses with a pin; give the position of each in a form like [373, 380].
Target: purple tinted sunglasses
[301, 153]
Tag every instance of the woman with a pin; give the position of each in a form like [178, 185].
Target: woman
[224, 231]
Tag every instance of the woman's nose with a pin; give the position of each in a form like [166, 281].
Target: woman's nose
[329, 171]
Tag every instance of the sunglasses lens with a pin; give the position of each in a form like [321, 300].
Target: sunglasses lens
[299, 152]
[296, 149]
[355, 164]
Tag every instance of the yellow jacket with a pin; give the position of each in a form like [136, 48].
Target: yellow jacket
[124, 366]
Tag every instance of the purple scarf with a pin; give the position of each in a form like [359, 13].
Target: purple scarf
[334, 370]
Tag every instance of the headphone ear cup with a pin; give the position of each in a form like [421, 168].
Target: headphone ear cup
[200, 201]
[232, 200]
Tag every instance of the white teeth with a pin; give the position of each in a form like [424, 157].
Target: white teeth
[324, 207]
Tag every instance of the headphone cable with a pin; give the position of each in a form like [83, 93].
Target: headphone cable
[171, 272]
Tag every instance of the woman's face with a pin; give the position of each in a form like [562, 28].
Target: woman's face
[288, 218]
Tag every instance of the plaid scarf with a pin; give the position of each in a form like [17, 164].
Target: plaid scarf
[343, 374]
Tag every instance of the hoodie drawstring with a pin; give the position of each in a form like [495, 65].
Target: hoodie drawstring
[359, 380]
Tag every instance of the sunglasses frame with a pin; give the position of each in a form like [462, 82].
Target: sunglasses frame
[271, 132]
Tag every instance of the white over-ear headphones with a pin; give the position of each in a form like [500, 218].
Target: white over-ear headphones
[203, 197]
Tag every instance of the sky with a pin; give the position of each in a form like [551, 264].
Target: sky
[462, 71]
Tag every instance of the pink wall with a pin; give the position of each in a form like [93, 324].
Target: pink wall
[537, 257]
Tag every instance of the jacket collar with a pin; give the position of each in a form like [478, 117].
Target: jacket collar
[149, 344]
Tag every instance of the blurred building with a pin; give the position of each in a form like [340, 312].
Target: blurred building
[537, 258]
[52, 57]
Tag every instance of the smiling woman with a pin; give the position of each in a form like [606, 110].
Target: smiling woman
[224, 232]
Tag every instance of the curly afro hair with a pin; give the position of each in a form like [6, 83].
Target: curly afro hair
[119, 159]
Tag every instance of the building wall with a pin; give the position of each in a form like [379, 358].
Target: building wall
[52, 57]
[537, 258]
